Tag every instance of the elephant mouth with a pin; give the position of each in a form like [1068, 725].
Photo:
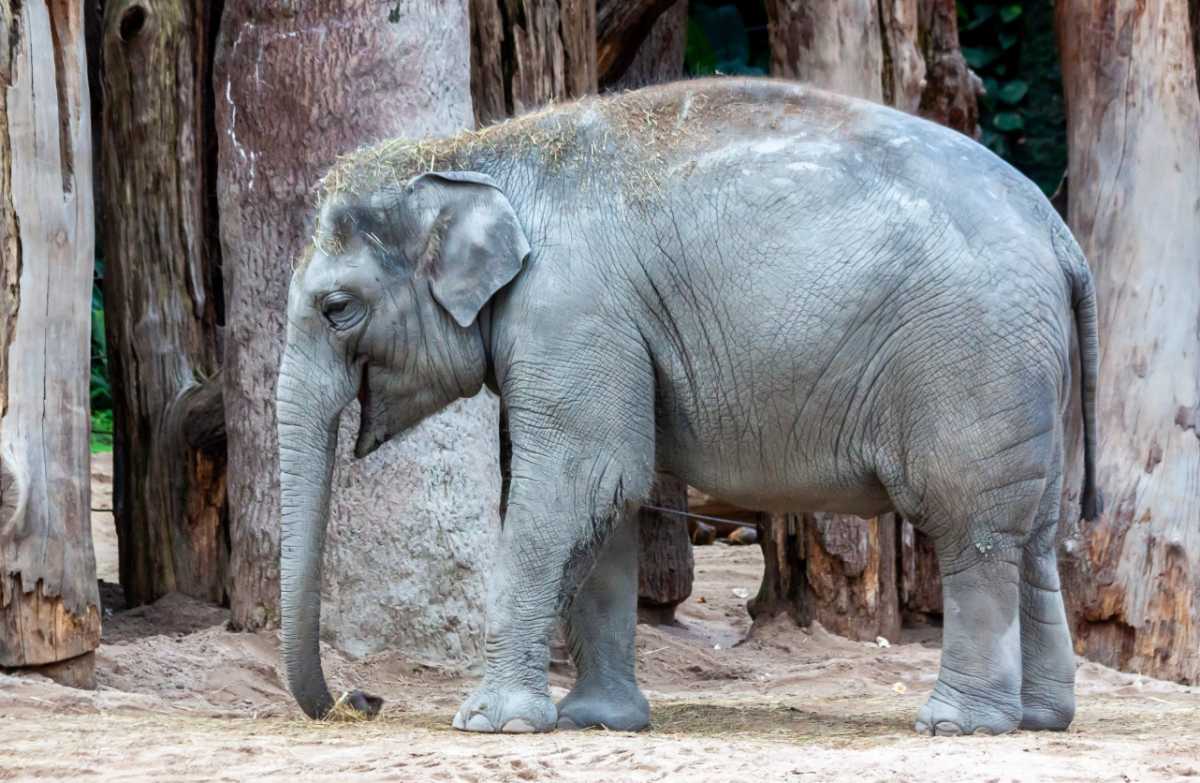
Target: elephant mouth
[372, 430]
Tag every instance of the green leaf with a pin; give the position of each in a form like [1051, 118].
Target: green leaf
[1007, 39]
[979, 58]
[698, 53]
[982, 14]
[962, 11]
[1009, 12]
[1008, 121]
[1013, 92]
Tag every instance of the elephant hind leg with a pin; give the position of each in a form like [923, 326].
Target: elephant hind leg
[980, 535]
[601, 625]
[1047, 656]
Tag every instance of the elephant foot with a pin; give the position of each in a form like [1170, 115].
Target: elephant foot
[494, 709]
[613, 708]
[1048, 712]
[956, 716]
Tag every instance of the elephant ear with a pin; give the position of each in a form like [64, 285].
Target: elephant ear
[475, 246]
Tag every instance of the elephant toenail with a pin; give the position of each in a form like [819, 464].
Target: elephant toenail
[948, 729]
[923, 729]
[480, 723]
[518, 726]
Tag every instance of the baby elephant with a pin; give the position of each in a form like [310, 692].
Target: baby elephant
[788, 299]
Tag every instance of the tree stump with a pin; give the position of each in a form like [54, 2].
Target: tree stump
[665, 564]
[837, 570]
[49, 602]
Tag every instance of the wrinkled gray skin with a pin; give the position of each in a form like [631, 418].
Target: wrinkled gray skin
[807, 303]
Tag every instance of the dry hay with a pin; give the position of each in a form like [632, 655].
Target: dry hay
[630, 135]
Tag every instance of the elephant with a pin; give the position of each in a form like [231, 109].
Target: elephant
[787, 298]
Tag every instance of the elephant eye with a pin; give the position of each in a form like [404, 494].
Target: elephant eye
[341, 310]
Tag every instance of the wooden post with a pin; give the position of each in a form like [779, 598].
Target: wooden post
[1131, 577]
[161, 254]
[49, 614]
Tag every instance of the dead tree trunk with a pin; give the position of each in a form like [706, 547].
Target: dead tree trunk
[161, 250]
[837, 570]
[903, 53]
[49, 614]
[1132, 576]
[412, 527]
[526, 53]
[665, 563]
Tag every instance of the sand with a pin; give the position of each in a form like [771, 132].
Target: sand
[183, 699]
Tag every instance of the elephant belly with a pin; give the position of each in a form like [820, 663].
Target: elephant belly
[765, 479]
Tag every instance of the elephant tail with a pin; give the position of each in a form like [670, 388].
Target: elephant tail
[1083, 303]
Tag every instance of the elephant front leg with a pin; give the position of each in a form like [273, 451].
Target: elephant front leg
[554, 530]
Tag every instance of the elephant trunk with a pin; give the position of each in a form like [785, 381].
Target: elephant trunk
[308, 414]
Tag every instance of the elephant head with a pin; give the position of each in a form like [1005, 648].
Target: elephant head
[386, 308]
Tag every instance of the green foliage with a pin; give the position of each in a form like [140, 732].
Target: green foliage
[728, 39]
[1011, 46]
[102, 427]
[101, 388]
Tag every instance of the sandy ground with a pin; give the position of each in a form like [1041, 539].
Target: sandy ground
[183, 699]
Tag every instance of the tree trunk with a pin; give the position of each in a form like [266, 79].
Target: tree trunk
[660, 58]
[161, 249]
[413, 526]
[49, 614]
[833, 44]
[1132, 576]
[622, 29]
[527, 53]
[903, 53]
[837, 570]
[951, 91]
[665, 562]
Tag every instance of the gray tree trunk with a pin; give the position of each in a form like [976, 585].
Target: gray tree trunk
[49, 601]
[1131, 577]
[413, 526]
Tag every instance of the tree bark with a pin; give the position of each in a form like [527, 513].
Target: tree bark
[951, 90]
[837, 570]
[622, 29]
[665, 562]
[903, 53]
[527, 53]
[1132, 576]
[413, 526]
[660, 58]
[833, 44]
[161, 249]
[48, 595]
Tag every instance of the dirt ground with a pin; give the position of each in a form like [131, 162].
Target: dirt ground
[183, 699]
